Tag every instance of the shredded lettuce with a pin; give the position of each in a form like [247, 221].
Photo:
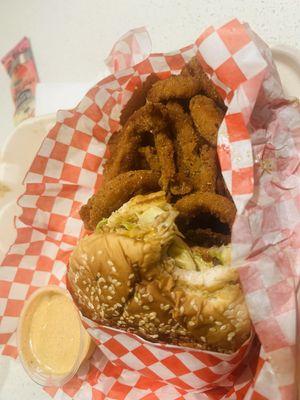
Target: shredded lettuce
[201, 264]
[147, 217]
[101, 224]
[152, 219]
[181, 254]
[222, 254]
[185, 258]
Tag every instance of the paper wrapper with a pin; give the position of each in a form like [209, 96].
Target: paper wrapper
[257, 146]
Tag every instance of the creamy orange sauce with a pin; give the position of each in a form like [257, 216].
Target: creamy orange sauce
[51, 334]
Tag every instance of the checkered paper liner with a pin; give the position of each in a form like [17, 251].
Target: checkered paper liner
[258, 154]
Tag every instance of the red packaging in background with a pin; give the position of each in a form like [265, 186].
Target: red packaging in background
[19, 64]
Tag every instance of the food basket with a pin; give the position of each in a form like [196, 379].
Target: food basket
[258, 153]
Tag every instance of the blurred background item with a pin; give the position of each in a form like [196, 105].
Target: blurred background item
[20, 66]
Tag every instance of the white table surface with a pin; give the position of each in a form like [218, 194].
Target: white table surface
[71, 38]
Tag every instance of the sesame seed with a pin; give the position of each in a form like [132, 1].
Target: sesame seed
[98, 307]
[113, 269]
[230, 336]
[211, 318]
[203, 339]
[181, 310]
[152, 315]
[128, 283]
[105, 287]
[109, 297]
[150, 298]
[123, 300]
[118, 283]
[87, 289]
[191, 323]
[92, 259]
[131, 276]
[110, 263]
[99, 252]
[223, 327]
[98, 275]
[84, 282]
[147, 308]
[219, 323]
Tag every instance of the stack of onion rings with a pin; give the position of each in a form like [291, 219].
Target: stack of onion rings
[168, 141]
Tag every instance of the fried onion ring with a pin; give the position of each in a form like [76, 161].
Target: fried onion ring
[199, 165]
[113, 144]
[113, 194]
[165, 151]
[219, 206]
[147, 119]
[138, 98]
[174, 87]
[151, 157]
[207, 117]
[206, 237]
[194, 69]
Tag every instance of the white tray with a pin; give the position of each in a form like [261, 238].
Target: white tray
[15, 159]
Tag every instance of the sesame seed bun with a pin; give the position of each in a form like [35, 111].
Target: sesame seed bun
[118, 281]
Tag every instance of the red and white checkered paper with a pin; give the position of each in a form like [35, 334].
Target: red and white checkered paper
[257, 146]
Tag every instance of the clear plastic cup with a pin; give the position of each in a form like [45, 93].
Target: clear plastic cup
[83, 349]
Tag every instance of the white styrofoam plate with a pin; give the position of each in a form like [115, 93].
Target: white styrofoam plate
[15, 159]
[287, 60]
